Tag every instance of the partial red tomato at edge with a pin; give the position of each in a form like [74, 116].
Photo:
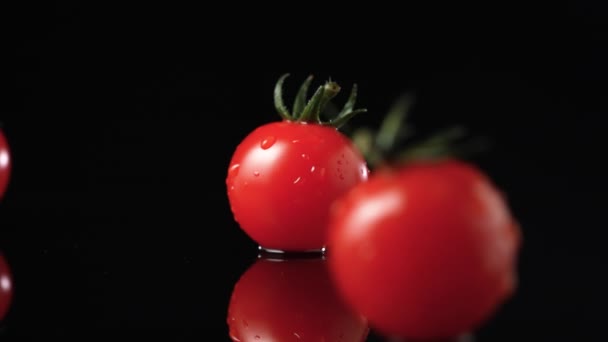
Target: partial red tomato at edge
[425, 251]
[284, 176]
[5, 164]
[6, 287]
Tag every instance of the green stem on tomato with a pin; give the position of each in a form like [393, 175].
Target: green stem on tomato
[300, 101]
[364, 140]
[278, 99]
[393, 123]
[380, 146]
[348, 111]
[310, 111]
[439, 150]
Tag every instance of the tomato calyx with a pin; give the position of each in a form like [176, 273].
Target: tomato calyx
[310, 111]
[381, 147]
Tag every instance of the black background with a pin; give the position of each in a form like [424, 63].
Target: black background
[122, 123]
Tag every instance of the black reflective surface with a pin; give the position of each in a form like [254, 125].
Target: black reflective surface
[121, 123]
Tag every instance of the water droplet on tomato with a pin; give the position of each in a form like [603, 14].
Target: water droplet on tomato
[295, 141]
[234, 170]
[268, 142]
[233, 336]
[297, 180]
[321, 173]
[256, 337]
[339, 162]
[232, 188]
[305, 156]
[256, 173]
[246, 324]
[312, 168]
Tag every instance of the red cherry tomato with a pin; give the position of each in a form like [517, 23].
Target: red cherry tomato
[6, 287]
[291, 300]
[284, 175]
[427, 251]
[5, 164]
[283, 178]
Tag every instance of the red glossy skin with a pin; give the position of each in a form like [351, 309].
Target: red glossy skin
[291, 300]
[283, 178]
[428, 251]
[5, 164]
[6, 287]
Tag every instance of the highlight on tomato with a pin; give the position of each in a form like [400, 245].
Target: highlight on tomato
[291, 300]
[427, 247]
[284, 175]
[5, 164]
[6, 287]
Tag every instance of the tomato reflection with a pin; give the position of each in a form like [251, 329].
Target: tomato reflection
[290, 300]
[461, 338]
[6, 287]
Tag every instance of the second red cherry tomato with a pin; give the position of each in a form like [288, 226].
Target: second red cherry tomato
[426, 251]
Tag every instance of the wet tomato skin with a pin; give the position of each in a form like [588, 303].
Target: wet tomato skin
[283, 178]
[425, 251]
[291, 300]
